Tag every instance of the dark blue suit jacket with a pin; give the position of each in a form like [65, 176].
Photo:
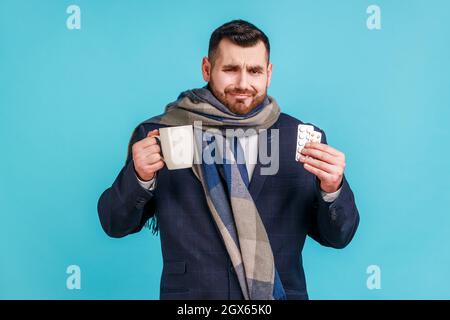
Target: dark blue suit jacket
[196, 263]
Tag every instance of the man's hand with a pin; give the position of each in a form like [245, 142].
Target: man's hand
[326, 163]
[147, 157]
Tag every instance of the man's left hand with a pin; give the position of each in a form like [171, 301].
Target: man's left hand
[326, 163]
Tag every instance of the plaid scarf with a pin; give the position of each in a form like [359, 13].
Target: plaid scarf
[225, 185]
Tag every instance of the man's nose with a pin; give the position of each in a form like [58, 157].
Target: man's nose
[243, 80]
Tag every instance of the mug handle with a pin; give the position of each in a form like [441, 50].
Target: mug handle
[158, 141]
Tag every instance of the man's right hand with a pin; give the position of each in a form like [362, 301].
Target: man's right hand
[147, 157]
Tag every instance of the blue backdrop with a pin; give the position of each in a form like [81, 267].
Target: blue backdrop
[70, 98]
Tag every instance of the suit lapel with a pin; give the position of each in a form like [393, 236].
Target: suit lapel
[257, 180]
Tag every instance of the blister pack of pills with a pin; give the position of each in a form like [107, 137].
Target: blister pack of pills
[305, 134]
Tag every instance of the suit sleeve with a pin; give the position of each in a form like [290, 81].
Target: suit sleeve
[333, 224]
[124, 207]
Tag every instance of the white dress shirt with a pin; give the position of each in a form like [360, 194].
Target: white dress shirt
[250, 147]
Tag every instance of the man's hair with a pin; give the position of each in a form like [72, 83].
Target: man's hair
[239, 32]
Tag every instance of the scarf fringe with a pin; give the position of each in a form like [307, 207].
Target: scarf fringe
[153, 225]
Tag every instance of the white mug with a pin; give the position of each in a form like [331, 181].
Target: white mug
[177, 146]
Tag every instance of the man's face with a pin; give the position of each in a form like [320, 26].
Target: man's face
[238, 76]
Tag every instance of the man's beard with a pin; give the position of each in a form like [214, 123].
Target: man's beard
[238, 106]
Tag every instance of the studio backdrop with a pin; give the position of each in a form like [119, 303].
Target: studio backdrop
[76, 77]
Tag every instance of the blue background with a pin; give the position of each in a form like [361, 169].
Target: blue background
[69, 100]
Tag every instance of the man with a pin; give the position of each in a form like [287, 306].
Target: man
[228, 231]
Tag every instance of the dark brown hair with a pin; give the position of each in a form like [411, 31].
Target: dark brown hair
[239, 32]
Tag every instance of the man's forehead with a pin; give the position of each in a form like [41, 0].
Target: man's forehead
[232, 54]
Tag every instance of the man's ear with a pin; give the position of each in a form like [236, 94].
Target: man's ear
[206, 69]
[269, 74]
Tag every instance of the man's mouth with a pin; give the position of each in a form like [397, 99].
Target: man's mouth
[240, 95]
